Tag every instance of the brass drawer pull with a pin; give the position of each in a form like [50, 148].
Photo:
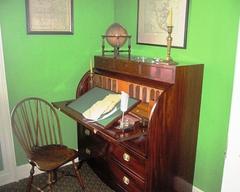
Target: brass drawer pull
[126, 157]
[126, 180]
[87, 132]
[88, 151]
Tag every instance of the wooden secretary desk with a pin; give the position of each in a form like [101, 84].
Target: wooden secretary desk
[159, 154]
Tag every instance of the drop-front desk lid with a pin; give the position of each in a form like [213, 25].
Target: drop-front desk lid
[106, 127]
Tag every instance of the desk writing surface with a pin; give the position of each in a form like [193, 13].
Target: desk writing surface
[109, 133]
[95, 94]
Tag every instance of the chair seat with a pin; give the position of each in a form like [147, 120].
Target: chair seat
[50, 157]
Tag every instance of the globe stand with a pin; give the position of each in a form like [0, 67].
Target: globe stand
[116, 49]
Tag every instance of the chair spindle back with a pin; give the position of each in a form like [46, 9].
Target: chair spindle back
[35, 123]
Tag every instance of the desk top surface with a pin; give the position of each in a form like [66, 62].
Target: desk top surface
[111, 133]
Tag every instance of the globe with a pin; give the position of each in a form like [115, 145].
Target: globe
[116, 35]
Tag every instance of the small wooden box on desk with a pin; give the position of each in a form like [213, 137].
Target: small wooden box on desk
[160, 154]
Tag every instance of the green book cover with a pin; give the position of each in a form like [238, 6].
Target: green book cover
[94, 95]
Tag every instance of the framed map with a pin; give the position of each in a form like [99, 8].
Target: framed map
[152, 22]
[49, 16]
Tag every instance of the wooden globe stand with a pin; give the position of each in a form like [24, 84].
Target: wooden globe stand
[116, 49]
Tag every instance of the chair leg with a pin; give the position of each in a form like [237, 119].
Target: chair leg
[30, 179]
[80, 163]
[50, 180]
[54, 176]
[79, 178]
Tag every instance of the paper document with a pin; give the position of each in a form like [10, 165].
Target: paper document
[102, 107]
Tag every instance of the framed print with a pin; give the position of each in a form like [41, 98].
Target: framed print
[153, 20]
[49, 16]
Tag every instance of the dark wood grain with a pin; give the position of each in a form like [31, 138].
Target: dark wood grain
[158, 72]
[111, 133]
[128, 159]
[83, 85]
[120, 175]
[169, 114]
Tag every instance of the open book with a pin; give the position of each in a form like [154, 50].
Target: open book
[100, 105]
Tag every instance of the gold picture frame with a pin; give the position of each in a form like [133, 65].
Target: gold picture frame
[49, 16]
[153, 20]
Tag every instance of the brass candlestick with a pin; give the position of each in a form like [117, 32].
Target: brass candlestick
[91, 79]
[91, 75]
[169, 44]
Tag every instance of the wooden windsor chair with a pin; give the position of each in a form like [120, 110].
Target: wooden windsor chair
[36, 125]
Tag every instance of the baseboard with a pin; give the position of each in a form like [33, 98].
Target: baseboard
[180, 185]
[23, 171]
[195, 189]
[6, 177]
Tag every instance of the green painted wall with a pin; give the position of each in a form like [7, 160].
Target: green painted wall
[50, 66]
[211, 40]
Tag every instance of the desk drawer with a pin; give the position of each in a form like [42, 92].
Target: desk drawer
[125, 179]
[131, 68]
[89, 144]
[128, 160]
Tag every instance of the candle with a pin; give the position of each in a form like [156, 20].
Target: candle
[91, 67]
[169, 19]
[129, 41]
[103, 40]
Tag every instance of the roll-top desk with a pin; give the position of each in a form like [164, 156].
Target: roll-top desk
[159, 155]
